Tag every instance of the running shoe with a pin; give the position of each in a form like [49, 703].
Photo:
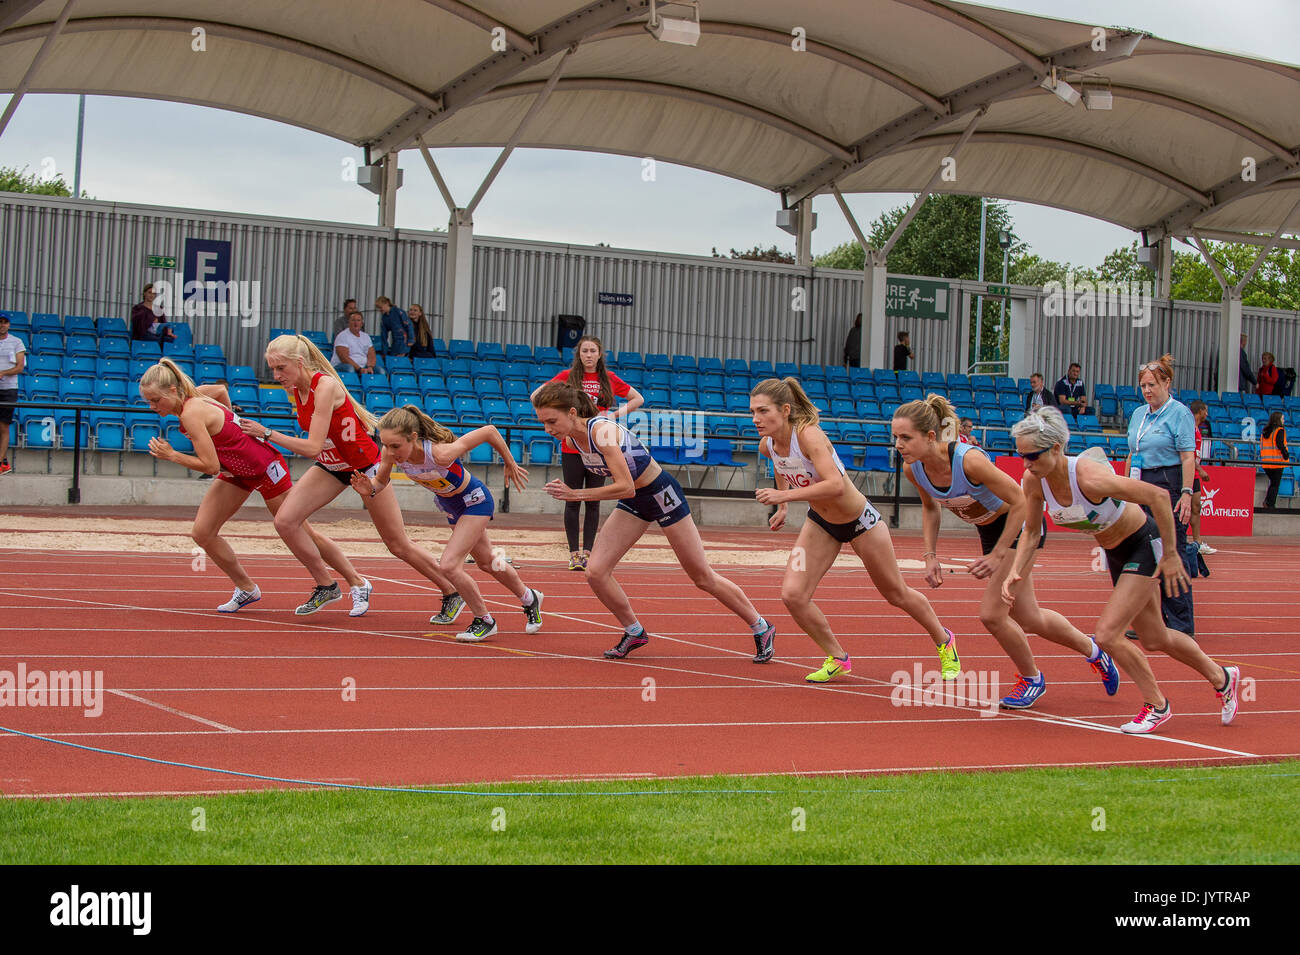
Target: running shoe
[361, 599]
[478, 629]
[1148, 719]
[1025, 693]
[1207, 549]
[582, 561]
[1228, 695]
[533, 613]
[627, 645]
[1105, 668]
[765, 644]
[949, 662]
[575, 562]
[5, 467]
[319, 598]
[831, 669]
[452, 605]
[240, 599]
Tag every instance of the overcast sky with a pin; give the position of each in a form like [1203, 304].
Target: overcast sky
[143, 151]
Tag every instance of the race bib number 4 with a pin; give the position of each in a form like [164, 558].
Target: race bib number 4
[667, 500]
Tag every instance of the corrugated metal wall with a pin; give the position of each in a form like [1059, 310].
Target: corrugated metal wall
[80, 257]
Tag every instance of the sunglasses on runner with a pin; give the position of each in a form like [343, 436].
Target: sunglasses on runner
[1033, 455]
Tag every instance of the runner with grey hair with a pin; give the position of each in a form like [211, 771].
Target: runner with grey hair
[1085, 494]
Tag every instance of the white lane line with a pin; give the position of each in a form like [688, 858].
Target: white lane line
[174, 711]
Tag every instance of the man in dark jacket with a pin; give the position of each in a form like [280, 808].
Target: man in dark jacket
[1245, 377]
[853, 345]
[1038, 394]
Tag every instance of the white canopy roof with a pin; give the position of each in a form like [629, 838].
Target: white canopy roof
[873, 104]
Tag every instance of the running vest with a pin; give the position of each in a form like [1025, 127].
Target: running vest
[973, 503]
[239, 454]
[338, 453]
[1082, 514]
[444, 482]
[634, 452]
[796, 467]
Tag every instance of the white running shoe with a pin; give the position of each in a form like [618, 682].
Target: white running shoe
[479, 629]
[1207, 549]
[1148, 719]
[1228, 695]
[533, 613]
[360, 599]
[240, 599]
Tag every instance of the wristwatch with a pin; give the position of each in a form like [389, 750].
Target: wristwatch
[1187, 490]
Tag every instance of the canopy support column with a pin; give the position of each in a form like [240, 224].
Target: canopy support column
[25, 83]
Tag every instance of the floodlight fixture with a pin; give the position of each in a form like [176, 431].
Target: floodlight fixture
[684, 32]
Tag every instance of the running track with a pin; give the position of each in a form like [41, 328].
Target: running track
[262, 692]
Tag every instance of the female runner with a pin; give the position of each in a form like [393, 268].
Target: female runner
[242, 465]
[808, 469]
[961, 478]
[429, 454]
[645, 492]
[1085, 494]
[338, 437]
[602, 387]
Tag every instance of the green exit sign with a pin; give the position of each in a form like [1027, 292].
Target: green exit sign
[1000, 290]
[160, 261]
[916, 298]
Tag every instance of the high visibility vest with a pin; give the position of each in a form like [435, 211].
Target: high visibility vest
[1270, 453]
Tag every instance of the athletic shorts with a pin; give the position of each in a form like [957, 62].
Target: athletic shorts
[990, 532]
[661, 501]
[7, 414]
[844, 533]
[1139, 553]
[1196, 484]
[474, 499]
[345, 477]
[272, 483]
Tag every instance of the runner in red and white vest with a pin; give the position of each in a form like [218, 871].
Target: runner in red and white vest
[603, 387]
[241, 464]
[339, 430]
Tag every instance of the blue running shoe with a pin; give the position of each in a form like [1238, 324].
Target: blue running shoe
[1105, 668]
[1025, 693]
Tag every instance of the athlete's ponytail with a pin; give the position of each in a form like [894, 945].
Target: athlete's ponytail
[299, 348]
[933, 413]
[788, 391]
[168, 375]
[410, 420]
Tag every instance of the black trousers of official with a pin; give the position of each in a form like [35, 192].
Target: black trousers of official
[1178, 612]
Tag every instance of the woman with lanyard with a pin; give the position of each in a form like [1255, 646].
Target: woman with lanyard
[1085, 494]
[645, 493]
[429, 455]
[1162, 451]
[962, 479]
[807, 468]
[338, 437]
[241, 464]
[602, 387]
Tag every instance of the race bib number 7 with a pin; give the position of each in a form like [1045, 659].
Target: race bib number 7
[667, 500]
[275, 472]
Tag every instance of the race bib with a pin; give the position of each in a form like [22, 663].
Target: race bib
[475, 496]
[667, 500]
[276, 472]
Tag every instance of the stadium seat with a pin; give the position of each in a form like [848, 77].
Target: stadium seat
[46, 322]
[209, 353]
[541, 450]
[736, 366]
[685, 363]
[79, 325]
[711, 366]
[110, 391]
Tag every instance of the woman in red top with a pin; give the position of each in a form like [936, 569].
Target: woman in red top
[242, 465]
[1266, 383]
[602, 387]
[339, 438]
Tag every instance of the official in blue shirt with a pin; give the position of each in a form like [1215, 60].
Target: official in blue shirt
[1162, 451]
[399, 331]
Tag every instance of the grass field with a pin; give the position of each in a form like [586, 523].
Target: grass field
[1222, 815]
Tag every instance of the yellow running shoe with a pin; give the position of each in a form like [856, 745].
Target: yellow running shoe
[831, 669]
[949, 662]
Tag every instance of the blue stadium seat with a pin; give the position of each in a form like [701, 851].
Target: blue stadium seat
[541, 450]
[47, 343]
[184, 334]
[518, 353]
[110, 391]
[209, 353]
[46, 322]
[711, 366]
[736, 366]
[79, 325]
[761, 368]
[658, 360]
[685, 363]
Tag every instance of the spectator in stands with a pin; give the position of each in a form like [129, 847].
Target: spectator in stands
[423, 344]
[1038, 393]
[398, 333]
[1245, 377]
[1070, 394]
[145, 324]
[13, 359]
[1273, 455]
[1268, 375]
[341, 323]
[353, 347]
[1201, 415]
[965, 432]
[902, 352]
[1162, 451]
[853, 345]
